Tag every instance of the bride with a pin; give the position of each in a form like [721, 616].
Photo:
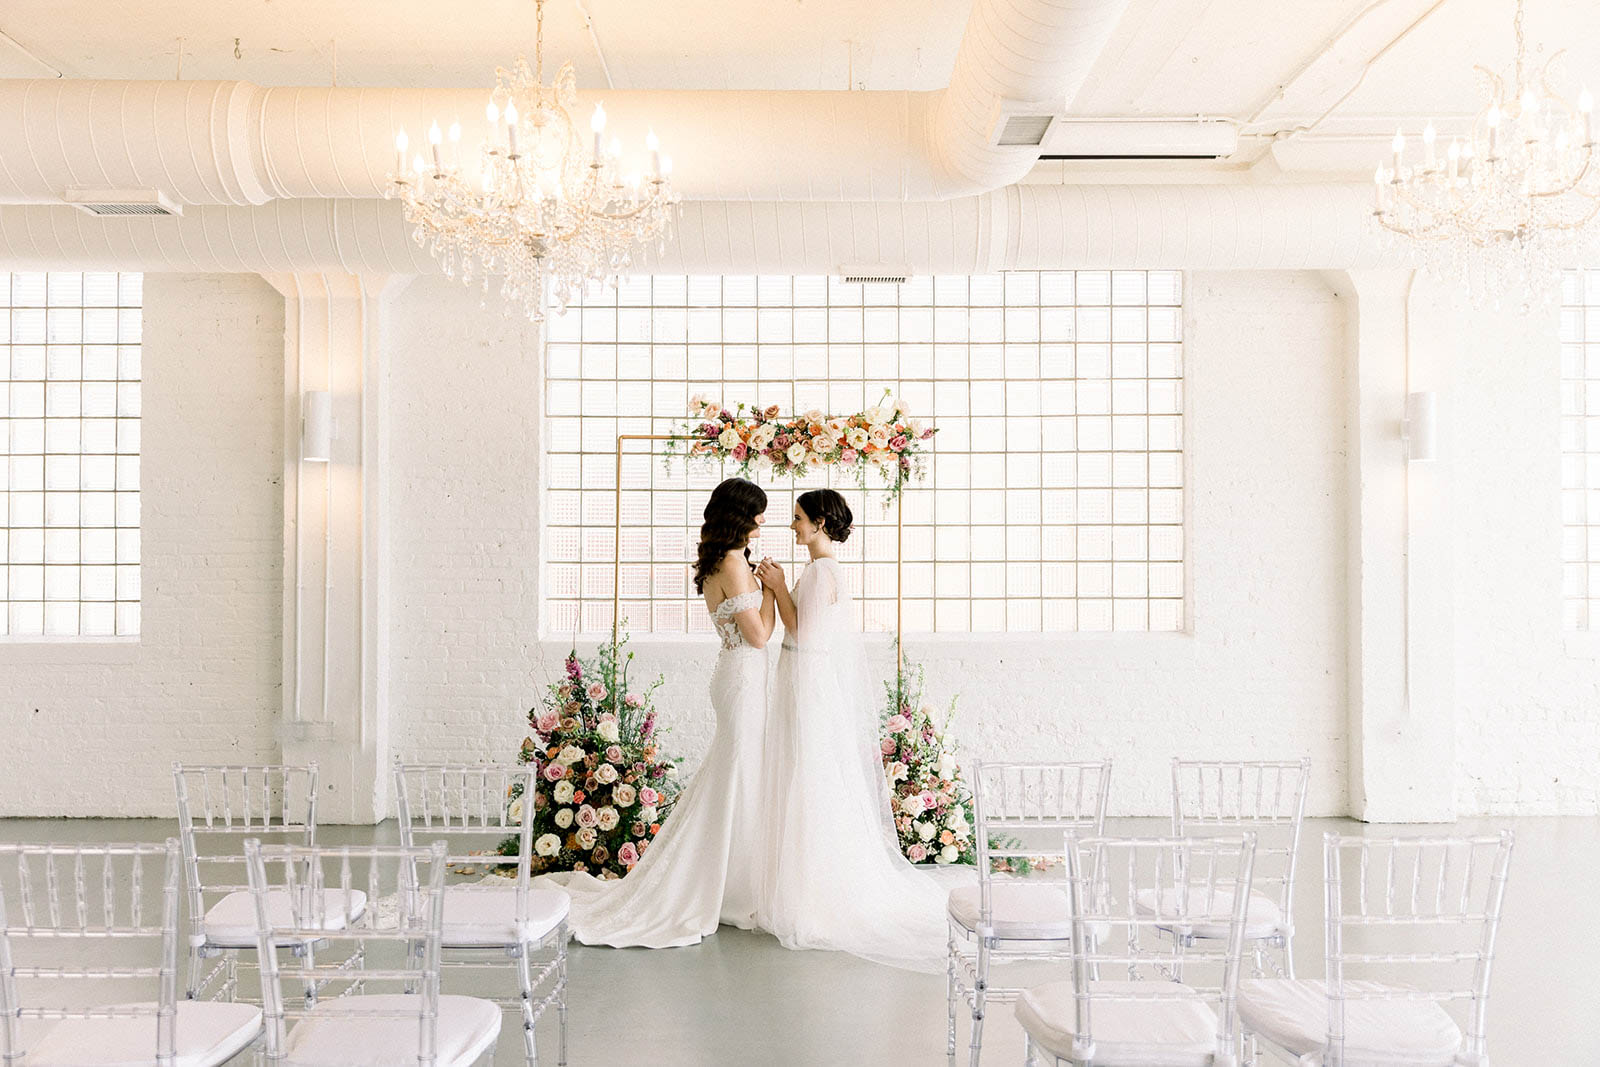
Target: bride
[703, 867]
[833, 876]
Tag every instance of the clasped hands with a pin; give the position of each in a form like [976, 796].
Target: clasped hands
[770, 575]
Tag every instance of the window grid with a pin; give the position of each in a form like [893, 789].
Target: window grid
[1054, 494]
[69, 439]
[1580, 449]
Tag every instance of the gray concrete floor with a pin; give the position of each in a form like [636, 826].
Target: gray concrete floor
[738, 998]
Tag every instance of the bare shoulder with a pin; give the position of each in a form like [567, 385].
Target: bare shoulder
[733, 575]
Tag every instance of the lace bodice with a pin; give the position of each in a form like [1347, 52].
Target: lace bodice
[723, 617]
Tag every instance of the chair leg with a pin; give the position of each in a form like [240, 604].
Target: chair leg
[530, 1048]
[951, 988]
[563, 939]
[980, 989]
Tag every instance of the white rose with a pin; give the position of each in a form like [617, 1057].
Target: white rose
[607, 731]
[565, 790]
[812, 416]
[564, 818]
[647, 814]
[514, 813]
[547, 845]
[587, 837]
[912, 805]
[797, 452]
[878, 435]
[877, 415]
[762, 437]
[570, 755]
[957, 823]
[605, 774]
[949, 854]
[897, 771]
[609, 818]
[624, 795]
[857, 438]
[729, 438]
[947, 764]
[925, 830]
[915, 426]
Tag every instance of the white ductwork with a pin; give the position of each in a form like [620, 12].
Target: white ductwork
[234, 143]
[1217, 227]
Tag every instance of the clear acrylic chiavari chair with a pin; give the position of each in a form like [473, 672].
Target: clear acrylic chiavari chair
[473, 808]
[83, 930]
[1120, 1007]
[1021, 811]
[218, 807]
[1410, 932]
[387, 1011]
[1268, 799]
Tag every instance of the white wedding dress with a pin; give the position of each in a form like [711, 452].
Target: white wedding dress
[833, 876]
[701, 869]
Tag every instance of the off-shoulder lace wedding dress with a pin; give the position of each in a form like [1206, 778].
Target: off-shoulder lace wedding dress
[702, 868]
[833, 876]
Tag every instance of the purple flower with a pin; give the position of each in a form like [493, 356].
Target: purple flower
[649, 726]
[573, 670]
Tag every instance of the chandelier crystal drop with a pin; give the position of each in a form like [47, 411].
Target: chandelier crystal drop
[540, 202]
[1510, 203]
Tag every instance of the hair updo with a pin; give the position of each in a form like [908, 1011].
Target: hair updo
[730, 519]
[827, 510]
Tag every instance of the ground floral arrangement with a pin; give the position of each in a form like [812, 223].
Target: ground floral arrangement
[603, 788]
[882, 439]
[931, 801]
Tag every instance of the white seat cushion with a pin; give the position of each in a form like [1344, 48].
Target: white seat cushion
[1021, 911]
[231, 922]
[1293, 1014]
[1176, 1032]
[206, 1033]
[486, 915]
[1263, 917]
[337, 1033]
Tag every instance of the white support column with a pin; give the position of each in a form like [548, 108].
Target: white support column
[335, 611]
[1400, 672]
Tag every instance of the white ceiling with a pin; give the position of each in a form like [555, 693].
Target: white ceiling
[1166, 58]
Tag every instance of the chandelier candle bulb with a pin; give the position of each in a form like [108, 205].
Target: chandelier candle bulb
[597, 123]
[400, 142]
[654, 146]
[511, 127]
[1377, 190]
[1399, 146]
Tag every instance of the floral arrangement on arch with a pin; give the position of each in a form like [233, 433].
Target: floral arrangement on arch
[932, 803]
[882, 439]
[603, 788]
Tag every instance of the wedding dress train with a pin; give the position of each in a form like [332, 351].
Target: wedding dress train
[701, 869]
[833, 875]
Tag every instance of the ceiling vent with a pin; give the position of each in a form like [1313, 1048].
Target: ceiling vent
[874, 275]
[1024, 129]
[121, 201]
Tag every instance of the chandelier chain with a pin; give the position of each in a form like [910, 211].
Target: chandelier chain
[1522, 45]
[538, 41]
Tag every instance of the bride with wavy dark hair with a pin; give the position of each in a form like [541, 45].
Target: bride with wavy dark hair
[703, 867]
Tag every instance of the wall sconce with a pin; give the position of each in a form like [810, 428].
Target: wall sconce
[316, 433]
[1420, 430]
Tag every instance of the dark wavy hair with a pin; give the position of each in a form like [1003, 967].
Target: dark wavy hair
[828, 510]
[730, 519]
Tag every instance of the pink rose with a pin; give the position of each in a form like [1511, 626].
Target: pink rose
[627, 854]
[847, 456]
[917, 853]
[633, 700]
[554, 772]
[588, 817]
[899, 443]
[887, 746]
[614, 753]
[741, 452]
[897, 724]
[596, 691]
[649, 797]
[928, 799]
[927, 433]
[546, 722]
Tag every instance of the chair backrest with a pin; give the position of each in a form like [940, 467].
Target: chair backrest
[105, 913]
[1414, 912]
[219, 806]
[472, 807]
[1020, 807]
[1128, 896]
[1266, 798]
[403, 906]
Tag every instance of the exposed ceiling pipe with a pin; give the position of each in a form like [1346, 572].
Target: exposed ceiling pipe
[234, 143]
[1214, 227]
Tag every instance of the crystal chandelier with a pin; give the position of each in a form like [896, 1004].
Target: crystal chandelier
[1506, 207]
[535, 203]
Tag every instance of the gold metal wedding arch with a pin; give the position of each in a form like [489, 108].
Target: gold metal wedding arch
[616, 543]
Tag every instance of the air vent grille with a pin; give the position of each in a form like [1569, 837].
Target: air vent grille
[124, 209]
[875, 279]
[97, 201]
[1025, 129]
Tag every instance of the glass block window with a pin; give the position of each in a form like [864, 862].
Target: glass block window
[69, 454]
[1054, 495]
[1580, 449]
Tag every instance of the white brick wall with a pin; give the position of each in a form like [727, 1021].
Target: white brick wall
[1262, 673]
[92, 729]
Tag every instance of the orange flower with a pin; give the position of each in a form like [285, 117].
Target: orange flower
[655, 828]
